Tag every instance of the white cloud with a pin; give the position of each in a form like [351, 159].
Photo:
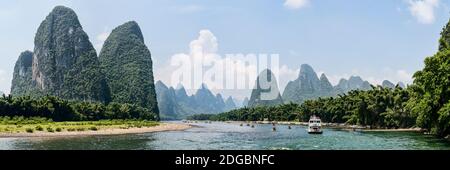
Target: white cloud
[204, 49]
[296, 4]
[101, 38]
[423, 10]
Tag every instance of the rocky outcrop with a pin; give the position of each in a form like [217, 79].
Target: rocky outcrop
[22, 77]
[65, 63]
[127, 63]
[229, 104]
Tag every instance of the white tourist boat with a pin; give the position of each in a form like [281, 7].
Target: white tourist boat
[315, 125]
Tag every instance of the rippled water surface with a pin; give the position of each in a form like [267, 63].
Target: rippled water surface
[232, 136]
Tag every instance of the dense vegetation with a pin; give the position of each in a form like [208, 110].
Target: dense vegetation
[127, 63]
[65, 63]
[309, 86]
[22, 78]
[59, 110]
[380, 107]
[19, 124]
[430, 99]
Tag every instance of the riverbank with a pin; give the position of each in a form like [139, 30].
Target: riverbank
[89, 129]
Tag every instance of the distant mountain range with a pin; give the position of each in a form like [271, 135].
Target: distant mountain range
[263, 96]
[65, 64]
[177, 104]
[309, 86]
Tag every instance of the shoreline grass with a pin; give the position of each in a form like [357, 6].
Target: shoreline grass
[41, 125]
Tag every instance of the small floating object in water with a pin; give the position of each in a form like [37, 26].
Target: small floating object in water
[253, 126]
[248, 124]
[241, 124]
[289, 127]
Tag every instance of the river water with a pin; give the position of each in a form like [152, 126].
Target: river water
[232, 136]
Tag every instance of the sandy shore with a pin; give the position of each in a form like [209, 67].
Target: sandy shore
[160, 128]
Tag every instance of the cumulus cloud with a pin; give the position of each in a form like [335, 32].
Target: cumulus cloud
[236, 77]
[203, 64]
[296, 4]
[423, 10]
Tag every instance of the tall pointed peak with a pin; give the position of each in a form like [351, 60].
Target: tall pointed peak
[266, 74]
[230, 98]
[129, 28]
[323, 77]
[25, 58]
[160, 84]
[180, 87]
[307, 72]
[444, 42]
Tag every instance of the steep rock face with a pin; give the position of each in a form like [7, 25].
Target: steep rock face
[266, 92]
[444, 42]
[307, 86]
[22, 77]
[167, 103]
[182, 96]
[229, 104]
[127, 64]
[220, 103]
[326, 89]
[65, 63]
[207, 102]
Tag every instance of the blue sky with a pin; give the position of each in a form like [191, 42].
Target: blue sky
[382, 39]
